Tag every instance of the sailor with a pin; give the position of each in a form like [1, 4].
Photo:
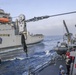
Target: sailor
[0, 60]
[63, 72]
[68, 63]
[60, 69]
[73, 58]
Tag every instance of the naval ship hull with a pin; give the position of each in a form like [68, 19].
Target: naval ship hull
[14, 43]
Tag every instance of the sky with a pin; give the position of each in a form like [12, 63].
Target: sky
[35, 8]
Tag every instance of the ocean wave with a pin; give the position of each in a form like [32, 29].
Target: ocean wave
[43, 54]
[25, 73]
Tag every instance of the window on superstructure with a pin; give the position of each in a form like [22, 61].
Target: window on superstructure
[5, 17]
[8, 34]
[2, 23]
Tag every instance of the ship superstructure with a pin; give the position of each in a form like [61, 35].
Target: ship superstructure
[10, 32]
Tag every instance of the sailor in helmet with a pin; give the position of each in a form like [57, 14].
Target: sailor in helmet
[63, 72]
[60, 69]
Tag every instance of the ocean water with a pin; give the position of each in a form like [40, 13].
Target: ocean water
[16, 62]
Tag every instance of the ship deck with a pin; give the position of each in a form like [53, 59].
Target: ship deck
[17, 67]
[53, 69]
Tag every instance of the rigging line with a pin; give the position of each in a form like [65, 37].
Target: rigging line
[47, 16]
[63, 14]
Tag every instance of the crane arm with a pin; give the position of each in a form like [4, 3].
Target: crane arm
[65, 26]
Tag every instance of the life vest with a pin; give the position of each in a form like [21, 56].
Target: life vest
[68, 54]
[70, 57]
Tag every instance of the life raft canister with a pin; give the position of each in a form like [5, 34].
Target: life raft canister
[4, 20]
